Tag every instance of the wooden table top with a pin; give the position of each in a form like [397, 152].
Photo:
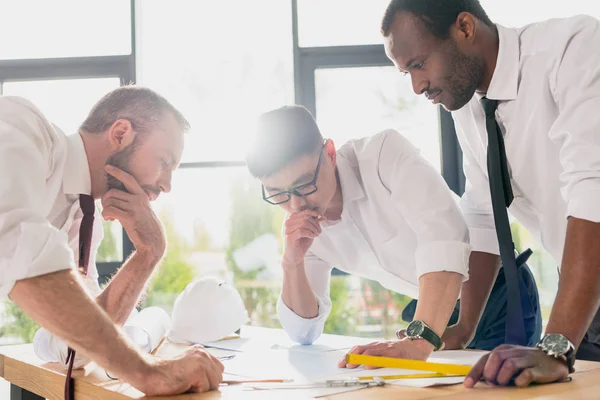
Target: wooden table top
[20, 366]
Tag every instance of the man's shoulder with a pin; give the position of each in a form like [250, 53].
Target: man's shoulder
[553, 35]
[14, 104]
[364, 148]
[23, 116]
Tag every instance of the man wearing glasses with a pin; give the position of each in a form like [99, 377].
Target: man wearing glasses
[374, 208]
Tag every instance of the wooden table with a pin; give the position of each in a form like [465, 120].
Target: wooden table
[32, 379]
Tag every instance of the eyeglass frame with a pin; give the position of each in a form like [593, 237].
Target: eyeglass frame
[294, 191]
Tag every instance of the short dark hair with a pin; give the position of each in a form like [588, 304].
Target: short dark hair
[437, 15]
[142, 106]
[282, 136]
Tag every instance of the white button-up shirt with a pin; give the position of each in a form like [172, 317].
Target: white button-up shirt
[399, 221]
[547, 81]
[42, 174]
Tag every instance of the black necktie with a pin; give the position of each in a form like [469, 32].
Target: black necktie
[86, 202]
[502, 197]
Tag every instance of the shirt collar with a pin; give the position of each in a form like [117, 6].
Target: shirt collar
[505, 80]
[350, 183]
[77, 178]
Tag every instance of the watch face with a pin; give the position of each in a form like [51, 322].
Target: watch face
[554, 343]
[415, 328]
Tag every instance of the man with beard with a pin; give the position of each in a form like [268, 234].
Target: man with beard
[124, 154]
[525, 103]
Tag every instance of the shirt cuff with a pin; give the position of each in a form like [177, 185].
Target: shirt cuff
[484, 240]
[303, 330]
[443, 256]
[49, 348]
[40, 249]
[585, 206]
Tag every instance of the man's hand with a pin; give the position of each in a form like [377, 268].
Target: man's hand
[193, 371]
[135, 214]
[455, 338]
[405, 348]
[301, 228]
[524, 365]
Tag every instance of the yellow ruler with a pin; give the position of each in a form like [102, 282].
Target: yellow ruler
[387, 362]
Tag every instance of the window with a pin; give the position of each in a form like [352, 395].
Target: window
[231, 62]
[362, 101]
[65, 102]
[69, 28]
[339, 22]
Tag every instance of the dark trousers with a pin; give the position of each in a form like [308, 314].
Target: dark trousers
[589, 349]
[491, 330]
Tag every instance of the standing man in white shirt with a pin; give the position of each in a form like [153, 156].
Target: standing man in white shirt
[374, 208]
[123, 154]
[540, 87]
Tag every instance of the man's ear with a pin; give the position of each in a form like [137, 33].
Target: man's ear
[120, 134]
[465, 27]
[330, 151]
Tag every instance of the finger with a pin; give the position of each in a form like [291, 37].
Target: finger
[497, 358]
[214, 378]
[303, 233]
[116, 193]
[309, 213]
[525, 377]
[356, 350]
[511, 367]
[118, 203]
[203, 383]
[315, 223]
[129, 181]
[476, 372]
[303, 222]
[217, 364]
[372, 352]
[113, 213]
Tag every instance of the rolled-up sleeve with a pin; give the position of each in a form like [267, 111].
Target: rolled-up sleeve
[576, 87]
[307, 330]
[428, 206]
[29, 245]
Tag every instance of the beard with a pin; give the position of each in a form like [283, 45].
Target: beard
[121, 160]
[466, 72]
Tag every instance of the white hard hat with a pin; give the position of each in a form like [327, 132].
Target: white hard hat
[207, 310]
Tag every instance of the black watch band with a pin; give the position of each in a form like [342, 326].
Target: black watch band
[570, 359]
[419, 330]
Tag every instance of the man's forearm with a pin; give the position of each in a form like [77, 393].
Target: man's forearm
[578, 296]
[483, 269]
[58, 303]
[124, 291]
[438, 292]
[297, 294]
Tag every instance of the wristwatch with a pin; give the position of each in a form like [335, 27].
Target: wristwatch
[558, 346]
[419, 330]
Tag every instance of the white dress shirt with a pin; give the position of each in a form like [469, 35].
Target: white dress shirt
[547, 81]
[43, 172]
[399, 221]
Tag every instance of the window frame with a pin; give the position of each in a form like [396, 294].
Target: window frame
[306, 61]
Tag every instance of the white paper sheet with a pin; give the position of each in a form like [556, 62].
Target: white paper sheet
[285, 364]
[253, 338]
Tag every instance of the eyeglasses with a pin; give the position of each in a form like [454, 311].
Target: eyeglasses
[300, 191]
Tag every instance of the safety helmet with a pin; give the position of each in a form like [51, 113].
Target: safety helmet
[207, 310]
